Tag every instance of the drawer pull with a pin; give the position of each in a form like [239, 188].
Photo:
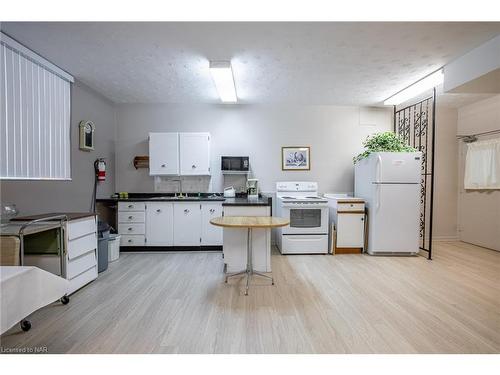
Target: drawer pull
[186, 211]
[130, 206]
[212, 210]
[129, 229]
[130, 217]
[193, 166]
[163, 165]
[158, 210]
[130, 241]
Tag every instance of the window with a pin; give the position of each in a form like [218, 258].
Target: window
[34, 117]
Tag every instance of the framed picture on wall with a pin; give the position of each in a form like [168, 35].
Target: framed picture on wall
[295, 158]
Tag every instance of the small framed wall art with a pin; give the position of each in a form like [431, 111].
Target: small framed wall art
[295, 158]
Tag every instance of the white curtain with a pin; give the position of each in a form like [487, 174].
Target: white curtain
[482, 165]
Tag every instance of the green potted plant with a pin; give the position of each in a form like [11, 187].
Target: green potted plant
[383, 142]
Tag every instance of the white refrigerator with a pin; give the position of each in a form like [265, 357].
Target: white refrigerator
[390, 184]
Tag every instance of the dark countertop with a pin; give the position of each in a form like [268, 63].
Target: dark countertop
[161, 199]
[70, 215]
[244, 201]
[240, 200]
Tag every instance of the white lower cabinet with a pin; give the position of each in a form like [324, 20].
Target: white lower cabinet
[235, 241]
[80, 261]
[160, 224]
[211, 235]
[350, 230]
[169, 223]
[187, 224]
[81, 257]
[132, 223]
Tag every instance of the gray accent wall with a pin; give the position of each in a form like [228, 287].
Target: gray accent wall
[334, 133]
[75, 195]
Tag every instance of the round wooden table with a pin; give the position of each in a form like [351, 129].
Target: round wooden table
[249, 222]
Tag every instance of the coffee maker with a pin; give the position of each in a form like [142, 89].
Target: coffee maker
[252, 188]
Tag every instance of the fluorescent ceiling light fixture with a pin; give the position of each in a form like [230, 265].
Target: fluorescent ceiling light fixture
[426, 83]
[222, 75]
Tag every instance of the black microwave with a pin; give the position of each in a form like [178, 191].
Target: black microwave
[234, 164]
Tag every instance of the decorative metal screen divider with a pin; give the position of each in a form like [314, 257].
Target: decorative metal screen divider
[416, 125]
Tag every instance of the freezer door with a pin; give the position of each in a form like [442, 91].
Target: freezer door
[397, 167]
[394, 219]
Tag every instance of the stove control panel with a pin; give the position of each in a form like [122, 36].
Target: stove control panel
[296, 186]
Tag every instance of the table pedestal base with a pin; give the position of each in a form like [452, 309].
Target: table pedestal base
[249, 271]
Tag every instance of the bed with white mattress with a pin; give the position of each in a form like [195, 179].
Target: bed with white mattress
[23, 290]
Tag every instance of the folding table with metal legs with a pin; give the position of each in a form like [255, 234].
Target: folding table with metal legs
[249, 271]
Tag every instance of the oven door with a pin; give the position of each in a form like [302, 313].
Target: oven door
[306, 220]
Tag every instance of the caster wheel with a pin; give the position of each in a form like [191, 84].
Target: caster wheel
[65, 300]
[25, 325]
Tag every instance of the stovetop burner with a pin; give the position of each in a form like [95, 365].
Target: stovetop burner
[315, 198]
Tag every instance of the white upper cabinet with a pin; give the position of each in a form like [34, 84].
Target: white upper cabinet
[185, 154]
[194, 153]
[163, 154]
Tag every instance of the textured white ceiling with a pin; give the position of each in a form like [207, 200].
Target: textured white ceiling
[306, 63]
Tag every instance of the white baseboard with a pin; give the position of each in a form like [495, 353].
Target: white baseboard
[444, 238]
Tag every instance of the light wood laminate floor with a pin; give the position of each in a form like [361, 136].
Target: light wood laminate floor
[178, 303]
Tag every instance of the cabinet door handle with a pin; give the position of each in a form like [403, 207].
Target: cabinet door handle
[193, 166]
[158, 210]
[130, 217]
[186, 211]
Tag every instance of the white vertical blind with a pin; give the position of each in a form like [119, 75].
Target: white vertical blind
[35, 115]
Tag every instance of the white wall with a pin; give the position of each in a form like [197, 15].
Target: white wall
[478, 211]
[75, 195]
[446, 174]
[334, 134]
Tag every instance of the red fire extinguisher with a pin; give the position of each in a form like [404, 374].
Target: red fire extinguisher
[100, 169]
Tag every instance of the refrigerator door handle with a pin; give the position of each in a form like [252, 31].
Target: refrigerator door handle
[377, 205]
[379, 168]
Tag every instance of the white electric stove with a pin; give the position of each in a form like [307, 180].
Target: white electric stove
[307, 232]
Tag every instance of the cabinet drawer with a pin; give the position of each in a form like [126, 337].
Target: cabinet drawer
[79, 228]
[132, 240]
[82, 279]
[131, 229]
[347, 207]
[81, 264]
[131, 217]
[82, 245]
[131, 206]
